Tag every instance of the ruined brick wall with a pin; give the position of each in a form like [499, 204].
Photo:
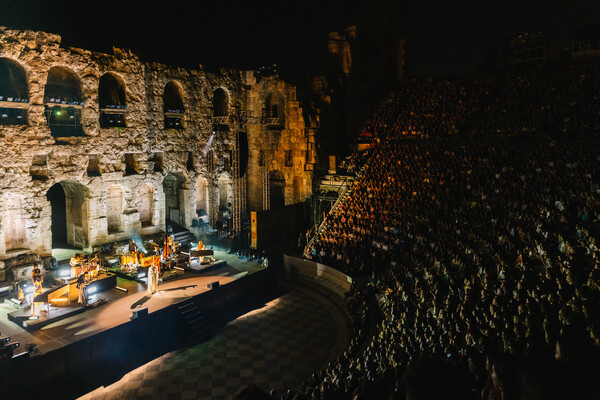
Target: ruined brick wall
[134, 160]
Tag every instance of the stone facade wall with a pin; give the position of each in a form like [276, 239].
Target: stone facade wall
[32, 160]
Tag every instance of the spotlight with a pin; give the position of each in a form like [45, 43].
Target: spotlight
[91, 289]
[4, 115]
[71, 113]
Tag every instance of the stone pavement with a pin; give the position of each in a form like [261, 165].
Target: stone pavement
[276, 347]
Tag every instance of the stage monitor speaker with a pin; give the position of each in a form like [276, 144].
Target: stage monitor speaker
[213, 285]
[106, 248]
[140, 312]
[53, 264]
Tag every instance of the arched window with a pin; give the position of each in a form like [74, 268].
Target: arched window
[112, 101]
[146, 205]
[114, 208]
[14, 97]
[63, 102]
[173, 106]
[13, 221]
[273, 112]
[220, 103]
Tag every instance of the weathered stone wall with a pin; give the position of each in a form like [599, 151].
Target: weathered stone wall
[32, 160]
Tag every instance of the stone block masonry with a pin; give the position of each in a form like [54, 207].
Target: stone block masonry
[95, 146]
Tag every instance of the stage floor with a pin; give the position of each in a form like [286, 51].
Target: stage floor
[120, 305]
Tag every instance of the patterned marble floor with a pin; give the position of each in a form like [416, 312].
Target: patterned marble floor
[275, 347]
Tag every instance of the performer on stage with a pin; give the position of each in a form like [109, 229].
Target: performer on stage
[83, 296]
[201, 246]
[153, 272]
[132, 247]
[75, 263]
[169, 247]
[37, 279]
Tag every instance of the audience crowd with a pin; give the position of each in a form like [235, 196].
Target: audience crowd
[552, 101]
[481, 256]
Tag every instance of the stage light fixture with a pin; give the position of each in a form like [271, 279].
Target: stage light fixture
[91, 289]
[4, 115]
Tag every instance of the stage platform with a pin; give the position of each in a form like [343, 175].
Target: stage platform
[50, 313]
[77, 325]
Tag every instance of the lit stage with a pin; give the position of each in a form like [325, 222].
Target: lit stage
[66, 325]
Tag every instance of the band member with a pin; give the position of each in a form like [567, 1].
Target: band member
[83, 296]
[37, 279]
[132, 247]
[153, 272]
[168, 252]
[75, 263]
[201, 246]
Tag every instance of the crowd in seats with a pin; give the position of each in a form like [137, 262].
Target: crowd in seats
[482, 254]
[553, 101]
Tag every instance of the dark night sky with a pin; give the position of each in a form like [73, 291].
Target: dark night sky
[442, 36]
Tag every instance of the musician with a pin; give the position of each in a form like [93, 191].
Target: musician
[83, 296]
[75, 263]
[168, 252]
[36, 279]
[201, 246]
[132, 247]
[153, 272]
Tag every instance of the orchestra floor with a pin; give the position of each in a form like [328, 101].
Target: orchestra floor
[275, 347]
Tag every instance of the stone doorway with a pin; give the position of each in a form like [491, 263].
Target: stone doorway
[173, 199]
[69, 204]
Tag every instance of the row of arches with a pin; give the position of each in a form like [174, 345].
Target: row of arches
[70, 207]
[63, 99]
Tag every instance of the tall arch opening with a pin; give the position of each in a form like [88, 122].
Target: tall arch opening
[146, 205]
[70, 212]
[14, 225]
[14, 93]
[202, 203]
[173, 107]
[225, 187]
[172, 187]
[63, 102]
[112, 101]
[277, 189]
[220, 103]
[114, 208]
